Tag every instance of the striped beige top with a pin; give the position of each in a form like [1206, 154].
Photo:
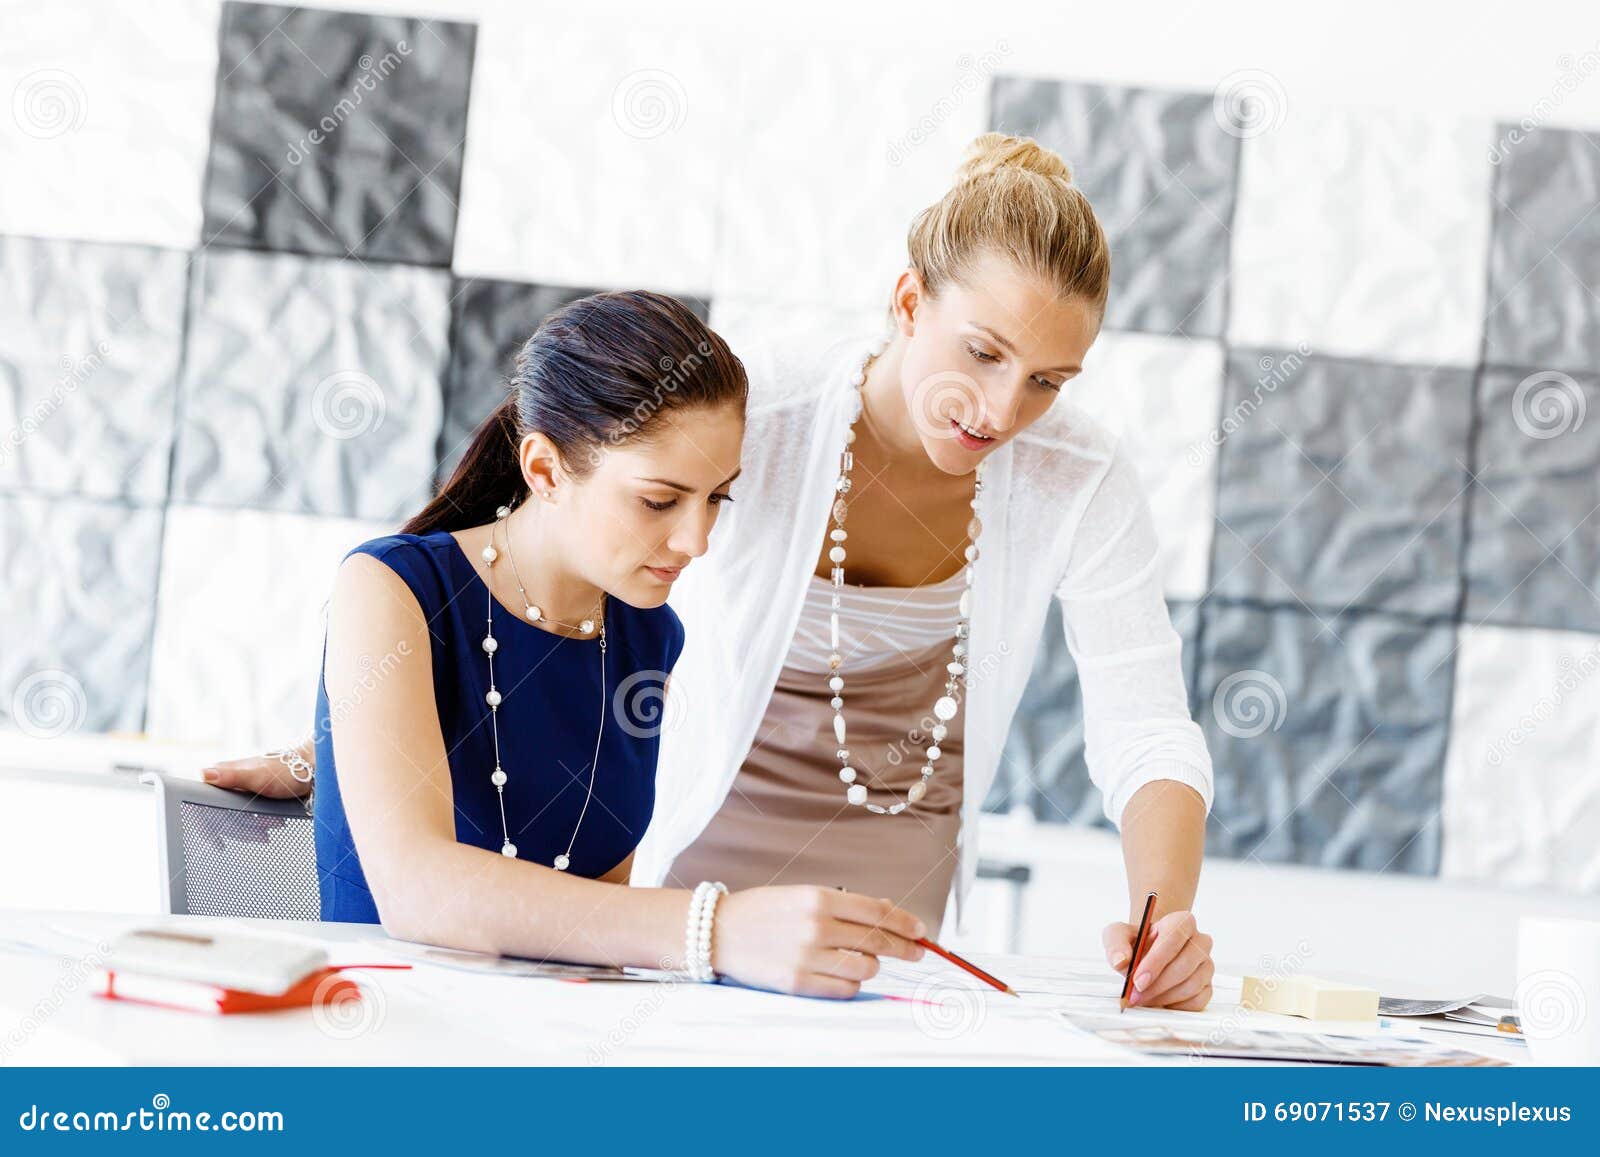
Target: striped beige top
[877, 625]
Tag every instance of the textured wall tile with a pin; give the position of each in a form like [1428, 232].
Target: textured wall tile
[1364, 233]
[597, 151]
[312, 385]
[490, 321]
[1544, 269]
[764, 335]
[1533, 546]
[238, 647]
[1160, 395]
[107, 98]
[89, 342]
[1328, 744]
[338, 133]
[1522, 779]
[1342, 482]
[750, 326]
[1042, 766]
[80, 585]
[1160, 171]
[832, 160]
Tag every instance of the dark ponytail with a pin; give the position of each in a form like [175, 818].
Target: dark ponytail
[599, 371]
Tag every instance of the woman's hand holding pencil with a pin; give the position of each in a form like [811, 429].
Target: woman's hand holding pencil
[1175, 968]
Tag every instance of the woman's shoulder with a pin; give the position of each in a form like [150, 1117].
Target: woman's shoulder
[1067, 448]
[409, 550]
[425, 562]
[789, 367]
[1078, 479]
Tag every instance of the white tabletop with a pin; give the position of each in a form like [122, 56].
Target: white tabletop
[928, 1013]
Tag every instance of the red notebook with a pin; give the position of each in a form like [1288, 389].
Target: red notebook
[324, 986]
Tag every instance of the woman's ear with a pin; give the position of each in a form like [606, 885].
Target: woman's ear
[905, 300]
[541, 465]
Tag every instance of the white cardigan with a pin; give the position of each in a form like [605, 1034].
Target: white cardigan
[1064, 515]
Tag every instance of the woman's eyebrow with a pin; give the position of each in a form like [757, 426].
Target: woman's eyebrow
[1001, 341]
[679, 486]
[668, 482]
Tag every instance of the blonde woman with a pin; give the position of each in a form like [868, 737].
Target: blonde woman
[861, 632]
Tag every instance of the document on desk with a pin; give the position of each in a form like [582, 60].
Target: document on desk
[903, 1019]
[693, 1023]
[1039, 977]
[1168, 1037]
[491, 964]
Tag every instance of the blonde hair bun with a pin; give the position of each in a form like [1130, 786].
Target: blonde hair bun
[1013, 196]
[994, 151]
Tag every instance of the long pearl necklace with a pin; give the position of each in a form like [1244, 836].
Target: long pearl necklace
[944, 709]
[494, 699]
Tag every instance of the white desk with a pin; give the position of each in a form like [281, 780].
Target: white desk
[436, 1016]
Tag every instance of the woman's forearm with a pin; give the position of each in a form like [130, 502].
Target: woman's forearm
[460, 896]
[1163, 841]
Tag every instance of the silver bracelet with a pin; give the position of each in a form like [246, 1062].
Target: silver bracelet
[697, 930]
[302, 771]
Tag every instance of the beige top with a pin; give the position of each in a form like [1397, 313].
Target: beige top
[786, 821]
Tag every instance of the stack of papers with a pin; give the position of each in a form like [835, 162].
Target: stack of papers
[1084, 999]
[1478, 1015]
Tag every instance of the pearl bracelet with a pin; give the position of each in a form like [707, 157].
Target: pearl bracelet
[697, 930]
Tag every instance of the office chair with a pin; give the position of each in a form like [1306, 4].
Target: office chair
[225, 853]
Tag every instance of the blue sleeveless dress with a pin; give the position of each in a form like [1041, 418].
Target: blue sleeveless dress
[549, 714]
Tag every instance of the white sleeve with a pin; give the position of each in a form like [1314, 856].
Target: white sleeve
[1135, 708]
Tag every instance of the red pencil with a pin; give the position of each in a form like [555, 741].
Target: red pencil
[1140, 943]
[966, 964]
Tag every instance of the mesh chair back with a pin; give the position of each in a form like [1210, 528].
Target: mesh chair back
[226, 853]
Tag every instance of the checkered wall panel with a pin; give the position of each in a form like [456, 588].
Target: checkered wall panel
[268, 266]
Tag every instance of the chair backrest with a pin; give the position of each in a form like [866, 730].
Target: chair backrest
[226, 853]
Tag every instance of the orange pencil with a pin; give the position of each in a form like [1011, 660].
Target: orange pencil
[957, 961]
[966, 964]
[1141, 942]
